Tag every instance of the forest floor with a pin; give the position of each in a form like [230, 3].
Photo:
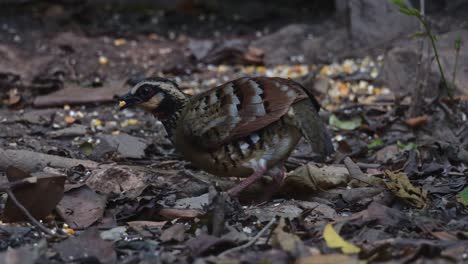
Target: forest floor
[108, 186]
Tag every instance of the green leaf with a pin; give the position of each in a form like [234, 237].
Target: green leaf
[350, 124]
[87, 148]
[410, 12]
[415, 12]
[458, 43]
[450, 87]
[375, 143]
[462, 196]
[406, 11]
[400, 4]
[407, 146]
[419, 35]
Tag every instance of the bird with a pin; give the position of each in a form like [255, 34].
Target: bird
[244, 128]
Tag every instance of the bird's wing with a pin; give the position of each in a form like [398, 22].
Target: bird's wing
[238, 108]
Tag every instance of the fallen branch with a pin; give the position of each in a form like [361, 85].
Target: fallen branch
[7, 188]
[34, 161]
[25, 211]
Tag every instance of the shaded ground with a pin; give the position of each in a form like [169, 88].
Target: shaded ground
[395, 190]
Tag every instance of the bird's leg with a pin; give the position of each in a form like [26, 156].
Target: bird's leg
[259, 169]
[277, 174]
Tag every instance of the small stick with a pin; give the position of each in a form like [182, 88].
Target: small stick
[25, 211]
[252, 241]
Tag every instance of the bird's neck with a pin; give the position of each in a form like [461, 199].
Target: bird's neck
[170, 111]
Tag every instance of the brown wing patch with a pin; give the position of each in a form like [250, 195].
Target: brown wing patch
[238, 108]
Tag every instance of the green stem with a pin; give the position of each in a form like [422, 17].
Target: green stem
[435, 51]
[456, 64]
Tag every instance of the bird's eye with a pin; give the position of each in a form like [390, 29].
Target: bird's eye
[143, 91]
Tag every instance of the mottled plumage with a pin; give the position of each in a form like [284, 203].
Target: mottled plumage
[242, 128]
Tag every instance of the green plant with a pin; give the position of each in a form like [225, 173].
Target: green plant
[410, 11]
[458, 44]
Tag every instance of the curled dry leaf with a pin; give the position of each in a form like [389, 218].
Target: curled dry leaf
[310, 177]
[400, 186]
[39, 198]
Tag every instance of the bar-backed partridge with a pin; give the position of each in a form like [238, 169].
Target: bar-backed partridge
[244, 128]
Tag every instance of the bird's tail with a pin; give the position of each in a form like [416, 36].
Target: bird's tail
[312, 128]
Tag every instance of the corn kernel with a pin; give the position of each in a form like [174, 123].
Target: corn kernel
[70, 120]
[103, 60]
[132, 121]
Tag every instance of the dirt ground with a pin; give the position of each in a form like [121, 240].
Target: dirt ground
[109, 187]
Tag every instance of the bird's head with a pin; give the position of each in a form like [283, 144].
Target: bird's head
[159, 96]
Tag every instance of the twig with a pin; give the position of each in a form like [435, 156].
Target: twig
[25, 211]
[252, 241]
[416, 95]
[34, 161]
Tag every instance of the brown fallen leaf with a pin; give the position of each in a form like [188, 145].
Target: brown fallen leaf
[401, 187]
[39, 198]
[382, 215]
[417, 121]
[386, 153]
[173, 233]
[81, 207]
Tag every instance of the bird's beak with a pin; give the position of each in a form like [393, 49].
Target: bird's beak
[128, 100]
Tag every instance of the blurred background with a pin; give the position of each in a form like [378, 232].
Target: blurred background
[63, 63]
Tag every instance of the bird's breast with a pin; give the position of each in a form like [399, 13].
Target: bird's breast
[237, 158]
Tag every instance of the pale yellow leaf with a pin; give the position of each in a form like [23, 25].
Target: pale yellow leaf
[334, 240]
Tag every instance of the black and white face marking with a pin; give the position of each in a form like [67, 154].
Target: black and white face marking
[158, 96]
[149, 95]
